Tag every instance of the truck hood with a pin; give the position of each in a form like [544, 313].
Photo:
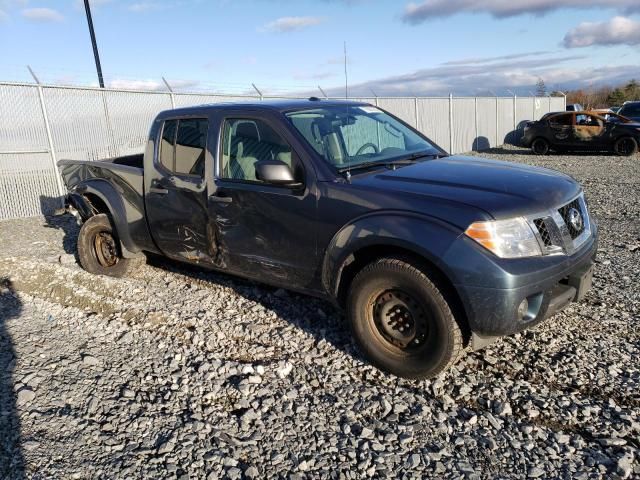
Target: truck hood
[501, 189]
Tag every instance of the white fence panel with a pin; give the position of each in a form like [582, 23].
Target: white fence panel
[487, 118]
[464, 125]
[433, 120]
[403, 108]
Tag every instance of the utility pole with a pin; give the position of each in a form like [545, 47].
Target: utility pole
[96, 56]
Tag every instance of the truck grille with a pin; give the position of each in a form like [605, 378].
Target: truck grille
[564, 213]
[557, 233]
[541, 225]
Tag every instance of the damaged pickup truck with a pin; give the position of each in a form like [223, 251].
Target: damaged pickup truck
[426, 252]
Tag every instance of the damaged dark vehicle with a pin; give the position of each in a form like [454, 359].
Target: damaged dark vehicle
[427, 253]
[575, 131]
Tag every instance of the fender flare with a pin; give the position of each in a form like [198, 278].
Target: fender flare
[111, 198]
[425, 236]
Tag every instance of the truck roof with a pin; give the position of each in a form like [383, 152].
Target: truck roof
[281, 105]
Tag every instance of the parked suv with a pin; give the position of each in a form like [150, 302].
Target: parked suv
[425, 252]
[631, 110]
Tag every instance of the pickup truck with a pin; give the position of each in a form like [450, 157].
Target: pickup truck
[427, 253]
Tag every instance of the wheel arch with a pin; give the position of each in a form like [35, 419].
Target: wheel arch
[99, 196]
[422, 246]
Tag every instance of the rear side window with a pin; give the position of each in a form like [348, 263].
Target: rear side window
[183, 146]
[167, 144]
[560, 120]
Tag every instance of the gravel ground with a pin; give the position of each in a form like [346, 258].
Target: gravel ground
[175, 372]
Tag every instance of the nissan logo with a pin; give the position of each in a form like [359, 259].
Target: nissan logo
[575, 219]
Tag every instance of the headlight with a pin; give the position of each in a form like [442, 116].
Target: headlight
[511, 238]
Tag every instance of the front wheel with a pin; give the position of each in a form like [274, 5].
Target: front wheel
[99, 249]
[625, 146]
[401, 321]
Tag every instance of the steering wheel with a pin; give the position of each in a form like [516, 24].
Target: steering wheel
[365, 146]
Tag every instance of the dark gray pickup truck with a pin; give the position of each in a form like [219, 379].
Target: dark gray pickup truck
[427, 253]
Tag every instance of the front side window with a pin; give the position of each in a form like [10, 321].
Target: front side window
[247, 141]
[346, 136]
[183, 146]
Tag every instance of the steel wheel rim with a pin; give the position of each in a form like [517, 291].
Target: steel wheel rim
[104, 246]
[400, 320]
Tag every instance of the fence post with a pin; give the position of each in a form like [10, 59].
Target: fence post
[52, 150]
[259, 92]
[451, 123]
[475, 116]
[515, 112]
[171, 96]
[415, 105]
[497, 120]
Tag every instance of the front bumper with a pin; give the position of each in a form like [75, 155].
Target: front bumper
[548, 283]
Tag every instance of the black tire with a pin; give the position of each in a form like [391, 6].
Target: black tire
[540, 146]
[99, 248]
[434, 340]
[625, 146]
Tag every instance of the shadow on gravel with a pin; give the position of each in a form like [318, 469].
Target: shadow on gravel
[11, 459]
[66, 223]
[316, 317]
[526, 151]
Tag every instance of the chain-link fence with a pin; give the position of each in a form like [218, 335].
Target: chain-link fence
[40, 124]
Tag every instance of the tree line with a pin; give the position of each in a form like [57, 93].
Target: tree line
[603, 97]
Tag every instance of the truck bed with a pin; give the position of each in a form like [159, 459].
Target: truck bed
[121, 186]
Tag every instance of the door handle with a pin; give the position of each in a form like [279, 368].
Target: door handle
[159, 191]
[218, 199]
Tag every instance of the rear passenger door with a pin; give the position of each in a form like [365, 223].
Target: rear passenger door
[175, 190]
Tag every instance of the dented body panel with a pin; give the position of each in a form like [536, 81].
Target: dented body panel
[306, 236]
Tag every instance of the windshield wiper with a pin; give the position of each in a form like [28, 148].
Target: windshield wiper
[408, 160]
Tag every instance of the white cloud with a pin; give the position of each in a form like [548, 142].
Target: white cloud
[472, 79]
[617, 31]
[291, 24]
[415, 13]
[141, 7]
[42, 14]
[153, 85]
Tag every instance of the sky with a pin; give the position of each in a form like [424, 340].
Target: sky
[394, 47]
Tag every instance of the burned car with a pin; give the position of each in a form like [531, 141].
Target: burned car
[565, 131]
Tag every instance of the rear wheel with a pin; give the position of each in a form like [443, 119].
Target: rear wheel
[540, 146]
[625, 146]
[99, 248]
[401, 321]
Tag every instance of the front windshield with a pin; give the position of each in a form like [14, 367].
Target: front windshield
[348, 136]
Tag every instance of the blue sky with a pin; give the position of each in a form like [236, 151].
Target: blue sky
[394, 47]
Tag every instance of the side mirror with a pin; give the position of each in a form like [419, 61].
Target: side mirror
[275, 172]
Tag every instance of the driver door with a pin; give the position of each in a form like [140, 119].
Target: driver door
[263, 231]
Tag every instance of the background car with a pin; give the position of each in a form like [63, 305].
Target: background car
[574, 107]
[562, 131]
[630, 110]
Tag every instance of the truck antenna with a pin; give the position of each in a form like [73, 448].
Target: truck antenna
[346, 96]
